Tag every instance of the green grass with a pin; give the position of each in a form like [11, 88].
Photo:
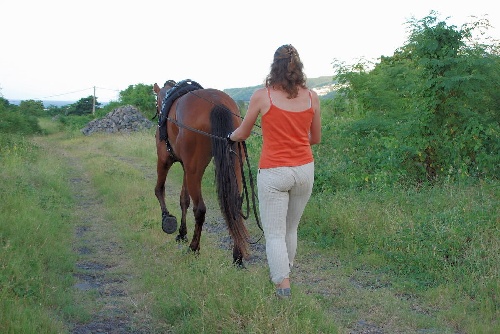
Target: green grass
[36, 256]
[50, 126]
[441, 244]
[401, 259]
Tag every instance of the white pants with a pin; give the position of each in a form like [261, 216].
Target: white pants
[283, 195]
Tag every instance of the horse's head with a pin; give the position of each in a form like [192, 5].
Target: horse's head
[162, 92]
[157, 89]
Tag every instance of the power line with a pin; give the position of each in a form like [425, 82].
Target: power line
[77, 91]
[114, 90]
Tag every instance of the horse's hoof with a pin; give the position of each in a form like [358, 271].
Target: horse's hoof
[168, 224]
[180, 238]
[238, 263]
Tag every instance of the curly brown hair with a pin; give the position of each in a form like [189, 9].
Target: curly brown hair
[287, 71]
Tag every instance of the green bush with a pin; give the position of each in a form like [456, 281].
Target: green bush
[428, 113]
[15, 122]
[75, 122]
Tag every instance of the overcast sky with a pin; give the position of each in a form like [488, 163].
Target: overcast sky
[51, 48]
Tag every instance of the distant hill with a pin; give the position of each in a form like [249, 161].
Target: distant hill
[47, 103]
[324, 86]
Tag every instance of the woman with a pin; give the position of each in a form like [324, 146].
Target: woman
[291, 123]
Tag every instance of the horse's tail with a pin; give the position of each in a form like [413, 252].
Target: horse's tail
[226, 171]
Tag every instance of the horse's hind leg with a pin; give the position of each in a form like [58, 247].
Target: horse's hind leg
[237, 257]
[184, 203]
[199, 210]
[193, 183]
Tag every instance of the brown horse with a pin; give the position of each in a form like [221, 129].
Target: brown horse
[197, 125]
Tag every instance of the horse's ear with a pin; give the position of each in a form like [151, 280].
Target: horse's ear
[156, 88]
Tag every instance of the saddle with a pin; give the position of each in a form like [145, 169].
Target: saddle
[181, 88]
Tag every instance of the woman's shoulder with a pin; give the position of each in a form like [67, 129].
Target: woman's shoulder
[260, 100]
[260, 91]
[259, 94]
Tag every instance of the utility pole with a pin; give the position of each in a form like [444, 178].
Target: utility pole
[93, 103]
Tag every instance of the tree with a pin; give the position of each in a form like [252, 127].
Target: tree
[31, 107]
[453, 129]
[12, 121]
[140, 96]
[437, 100]
[4, 104]
[84, 106]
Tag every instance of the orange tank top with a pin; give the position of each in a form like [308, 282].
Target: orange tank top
[286, 137]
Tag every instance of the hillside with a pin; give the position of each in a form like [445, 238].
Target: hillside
[324, 86]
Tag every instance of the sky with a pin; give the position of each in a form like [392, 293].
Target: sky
[61, 50]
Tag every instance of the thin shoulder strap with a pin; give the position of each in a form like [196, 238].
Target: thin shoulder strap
[269, 94]
[310, 99]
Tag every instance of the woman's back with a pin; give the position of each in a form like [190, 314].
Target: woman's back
[280, 99]
[285, 131]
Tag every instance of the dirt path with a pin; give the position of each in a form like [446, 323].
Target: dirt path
[101, 271]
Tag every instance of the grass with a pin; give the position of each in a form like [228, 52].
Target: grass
[35, 257]
[405, 260]
[439, 245]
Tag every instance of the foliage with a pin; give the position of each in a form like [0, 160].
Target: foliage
[141, 96]
[5, 104]
[31, 107]
[73, 123]
[13, 121]
[53, 110]
[83, 106]
[429, 111]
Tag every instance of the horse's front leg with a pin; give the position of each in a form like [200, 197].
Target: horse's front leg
[184, 203]
[164, 162]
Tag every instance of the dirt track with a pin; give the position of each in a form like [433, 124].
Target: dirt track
[101, 268]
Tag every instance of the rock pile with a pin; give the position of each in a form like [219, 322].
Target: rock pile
[122, 119]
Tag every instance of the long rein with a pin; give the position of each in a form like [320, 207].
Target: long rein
[241, 145]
